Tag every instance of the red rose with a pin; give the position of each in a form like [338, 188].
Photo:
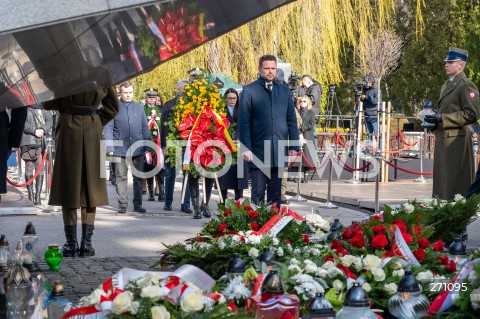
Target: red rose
[253, 214]
[377, 216]
[355, 225]
[407, 237]
[378, 229]
[419, 254]
[342, 251]
[238, 204]
[423, 243]
[438, 245]
[401, 225]
[306, 238]
[221, 227]
[416, 230]
[347, 233]
[227, 212]
[254, 226]
[379, 241]
[443, 260]
[288, 242]
[336, 244]
[248, 208]
[358, 241]
[451, 266]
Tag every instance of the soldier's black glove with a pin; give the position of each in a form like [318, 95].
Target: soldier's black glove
[435, 118]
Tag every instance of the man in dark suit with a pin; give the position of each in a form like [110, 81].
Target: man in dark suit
[267, 114]
[11, 131]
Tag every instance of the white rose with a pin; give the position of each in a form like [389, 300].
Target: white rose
[310, 268]
[322, 273]
[459, 198]
[253, 252]
[378, 274]
[408, 208]
[371, 261]
[390, 288]
[425, 276]
[320, 235]
[398, 273]
[337, 284]
[357, 263]
[153, 292]
[192, 302]
[396, 265]
[122, 303]
[328, 265]
[347, 260]
[367, 287]
[93, 298]
[160, 312]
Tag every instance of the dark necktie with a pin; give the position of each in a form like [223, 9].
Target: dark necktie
[269, 86]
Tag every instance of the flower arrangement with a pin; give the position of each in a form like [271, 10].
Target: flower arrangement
[153, 122]
[199, 118]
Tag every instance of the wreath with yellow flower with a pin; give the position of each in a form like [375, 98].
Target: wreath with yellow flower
[199, 118]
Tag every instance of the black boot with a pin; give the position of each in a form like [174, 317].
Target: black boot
[70, 249]
[206, 211]
[151, 197]
[197, 214]
[38, 189]
[161, 194]
[29, 188]
[86, 249]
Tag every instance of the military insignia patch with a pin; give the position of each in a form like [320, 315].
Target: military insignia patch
[472, 94]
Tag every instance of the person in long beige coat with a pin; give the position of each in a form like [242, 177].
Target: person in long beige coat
[458, 107]
[77, 180]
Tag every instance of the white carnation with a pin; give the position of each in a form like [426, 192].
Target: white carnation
[310, 268]
[294, 268]
[280, 251]
[347, 260]
[221, 245]
[253, 252]
[459, 198]
[293, 261]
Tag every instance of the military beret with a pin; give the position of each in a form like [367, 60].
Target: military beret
[151, 92]
[456, 54]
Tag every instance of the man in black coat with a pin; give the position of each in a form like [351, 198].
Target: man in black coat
[267, 114]
[11, 130]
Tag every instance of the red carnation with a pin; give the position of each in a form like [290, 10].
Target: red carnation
[306, 238]
[347, 233]
[443, 260]
[423, 243]
[378, 229]
[254, 226]
[227, 212]
[438, 245]
[248, 208]
[336, 244]
[253, 214]
[377, 216]
[355, 225]
[221, 227]
[379, 241]
[451, 266]
[357, 241]
[407, 237]
[419, 254]
[401, 225]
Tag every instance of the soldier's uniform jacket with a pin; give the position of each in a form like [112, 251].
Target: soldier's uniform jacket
[453, 168]
[76, 178]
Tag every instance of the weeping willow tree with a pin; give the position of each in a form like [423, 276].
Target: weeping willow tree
[312, 35]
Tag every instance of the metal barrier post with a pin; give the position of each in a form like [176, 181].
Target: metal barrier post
[49, 163]
[19, 166]
[328, 203]
[298, 197]
[421, 179]
[378, 157]
[357, 148]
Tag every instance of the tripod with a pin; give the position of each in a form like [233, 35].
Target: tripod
[331, 100]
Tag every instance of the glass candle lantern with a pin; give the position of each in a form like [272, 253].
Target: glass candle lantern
[53, 257]
[408, 302]
[18, 292]
[4, 253]
[267, 257]
[319, 308]
[58, 302]
[356, 304]
[236, 266]
[457, 252]
[29, 248]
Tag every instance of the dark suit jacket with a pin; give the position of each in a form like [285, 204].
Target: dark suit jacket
[168, 110]
[10, 136]
[267, 116]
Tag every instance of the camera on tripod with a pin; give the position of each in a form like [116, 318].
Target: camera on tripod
[293, 84]
[358, 88]
[331, 89]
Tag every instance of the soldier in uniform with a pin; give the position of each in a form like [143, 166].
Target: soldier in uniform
[77, 180]
[151, 107]
[458, 107]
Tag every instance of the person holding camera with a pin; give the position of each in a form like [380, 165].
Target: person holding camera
[37, 125]
[369, 98]
[313, 90]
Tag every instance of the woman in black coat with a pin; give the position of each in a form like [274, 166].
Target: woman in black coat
[308, 123]
[230, 179]
[37, 125]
